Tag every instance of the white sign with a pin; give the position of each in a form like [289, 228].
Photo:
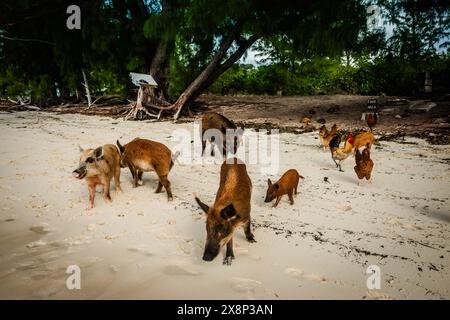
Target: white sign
[142, 79]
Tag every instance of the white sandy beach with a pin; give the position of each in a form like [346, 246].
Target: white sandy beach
[141, 246]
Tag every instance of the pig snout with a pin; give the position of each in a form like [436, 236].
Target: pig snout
[79, 173]
[210, 253]
[268, 198]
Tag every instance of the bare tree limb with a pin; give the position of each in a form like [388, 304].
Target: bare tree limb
[86, 86]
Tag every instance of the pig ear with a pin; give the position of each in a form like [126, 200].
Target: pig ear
[80, 148]
[121, 148]
[276, 186]
[98, 153]
[202, 205]
[269, 182]
[228, 212]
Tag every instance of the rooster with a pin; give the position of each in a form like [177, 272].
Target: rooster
[372, 119]
[363, 139]
[325, 136]
[340, 154]
[364, 164]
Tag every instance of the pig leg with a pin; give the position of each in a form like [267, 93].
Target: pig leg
[106, 189]
[91, 195]
[203, 147]
[277, 202]
[158, 189]
[139, 175]
[163, 180]
[229, 256]
[134, 174]
[248, 232]
[224, 149]
[290, 195]
[117, 179]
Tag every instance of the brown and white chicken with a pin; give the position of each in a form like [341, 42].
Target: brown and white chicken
[326, 136]
[364, 164]
[340, 154]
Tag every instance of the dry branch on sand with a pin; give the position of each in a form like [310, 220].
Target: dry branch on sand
[22, 104]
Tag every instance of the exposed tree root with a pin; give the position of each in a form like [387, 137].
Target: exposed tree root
[141, 113]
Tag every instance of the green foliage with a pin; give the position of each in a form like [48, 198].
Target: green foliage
[304, 43]
[419, 26]
[391, 76]
[42, 57]
[12, 84]
[105, 82]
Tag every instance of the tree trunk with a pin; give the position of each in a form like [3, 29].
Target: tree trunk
[213, 70]
[160, 68]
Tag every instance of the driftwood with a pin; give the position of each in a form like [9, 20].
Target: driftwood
[21, 103]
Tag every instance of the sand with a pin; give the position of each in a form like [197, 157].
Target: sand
[140, 246]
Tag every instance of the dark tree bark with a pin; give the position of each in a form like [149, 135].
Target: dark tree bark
[160, 68]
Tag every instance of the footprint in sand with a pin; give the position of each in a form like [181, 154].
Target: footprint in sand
[315, 278]
[36, 244]
[90, 261]
[299, 274]
[253, 289]
[41, 228]
[240, 250]
[180, 270]
[185, 247]
[113, 268]
[143, 249]
[40, 275]
[376, 295]
[27, 266]
[293, 272]
[91, 227]
[48, 292]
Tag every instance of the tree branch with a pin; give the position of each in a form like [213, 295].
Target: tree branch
[27, 40]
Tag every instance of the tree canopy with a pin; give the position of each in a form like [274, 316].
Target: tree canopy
[192, 46]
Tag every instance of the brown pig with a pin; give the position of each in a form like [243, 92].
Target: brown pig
[287, 184]
[230, 210]
[141, 155]
[213, 121]
[99, 166]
